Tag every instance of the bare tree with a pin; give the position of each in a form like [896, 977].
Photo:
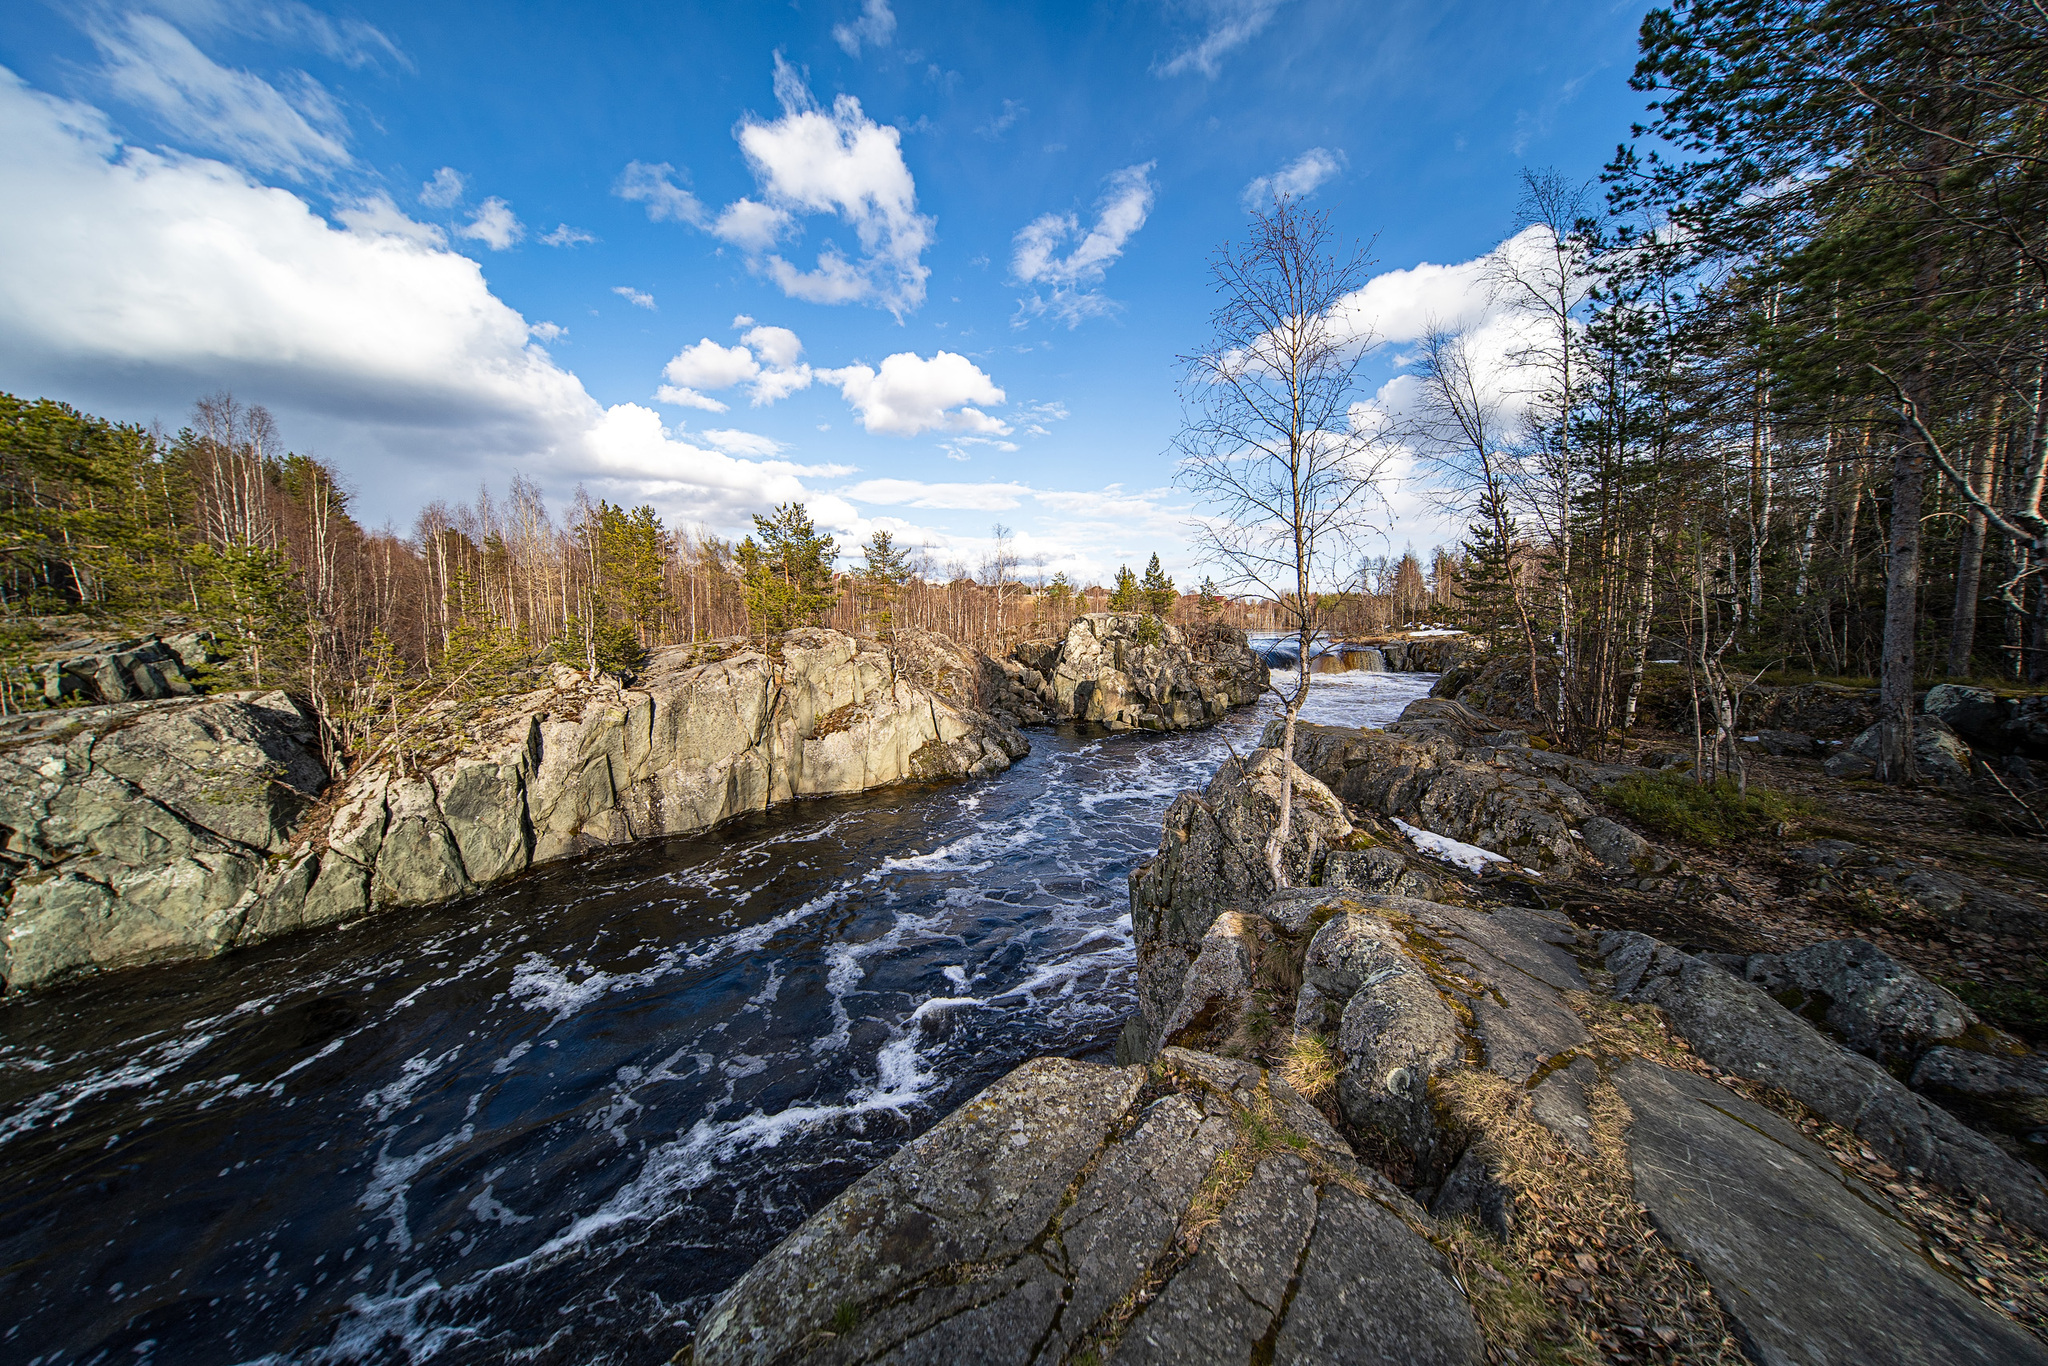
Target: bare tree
[1271, 443]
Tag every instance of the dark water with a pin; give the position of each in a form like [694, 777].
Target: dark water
[546, 1124]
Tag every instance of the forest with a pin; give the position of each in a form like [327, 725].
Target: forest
[1780, 405]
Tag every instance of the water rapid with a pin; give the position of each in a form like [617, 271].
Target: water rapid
[547, 1123]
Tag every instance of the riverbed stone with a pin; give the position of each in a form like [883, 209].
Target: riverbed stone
[1804, 1258]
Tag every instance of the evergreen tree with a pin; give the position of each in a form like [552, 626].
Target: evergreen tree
[1486, 593]
[1157, 589]
[1124, 597]
[885, 570]
[786, 577]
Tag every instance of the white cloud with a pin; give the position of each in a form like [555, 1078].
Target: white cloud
[734, 442]
[1004, 121]
[150, 63]
[707, 365]
[566, 236]
[666, 201]
[444, 190]
[290, 23]
[911, 395]
[634, 297]
[876, 26]
[1035, 252]
[142, 280]
[493, 224]
[378, 216]
[1231, 24]
[814, 161]
[547, 332]
[1297, 178]
[952, 497]
[753, 225]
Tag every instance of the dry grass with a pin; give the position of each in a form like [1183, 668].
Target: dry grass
[1583, 1276]
[2003, 1265]
[1311, 1066]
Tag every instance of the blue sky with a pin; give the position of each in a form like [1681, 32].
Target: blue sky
[924, 266]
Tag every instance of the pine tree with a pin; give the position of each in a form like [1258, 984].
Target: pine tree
[786, 578]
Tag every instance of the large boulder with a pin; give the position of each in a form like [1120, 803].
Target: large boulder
[1131, 671]
[1212, 860]
[1874, 1003]
[1450, 771]
[135, 832]
[1942, 755]
[1059, 1216]
[1997, 725]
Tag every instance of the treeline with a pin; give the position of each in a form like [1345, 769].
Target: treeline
[221, 526]
[1787, 409]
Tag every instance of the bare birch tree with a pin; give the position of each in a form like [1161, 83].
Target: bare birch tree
[1271, 443]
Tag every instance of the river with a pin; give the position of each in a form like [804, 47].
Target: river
[547, 1123]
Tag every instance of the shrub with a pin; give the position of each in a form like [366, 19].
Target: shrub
[1705, 813]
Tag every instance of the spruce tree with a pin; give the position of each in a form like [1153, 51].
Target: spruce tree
[1157, 589]
[1124, 597]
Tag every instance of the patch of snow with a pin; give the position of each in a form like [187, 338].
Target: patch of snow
[1470, 857]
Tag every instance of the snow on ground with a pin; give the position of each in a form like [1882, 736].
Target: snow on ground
[1470, 857]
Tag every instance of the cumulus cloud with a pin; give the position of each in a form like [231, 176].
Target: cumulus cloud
[142, 280]
[148, 62]
[876, 26]
[1036, 257]
[566, 236]
[768, 361]
[1298, 178]
[444, 190]
[910, 394]
[654, 185]
[1230, 24]
[493, 224]
[814, 160]
[634, 297]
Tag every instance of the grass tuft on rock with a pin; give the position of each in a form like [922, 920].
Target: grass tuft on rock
[1706, 813]
[1310, 1066]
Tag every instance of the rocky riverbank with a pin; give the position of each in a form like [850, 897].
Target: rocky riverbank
[146, 831]
[1402, 1111]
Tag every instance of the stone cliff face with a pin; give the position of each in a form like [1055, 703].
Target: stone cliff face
[139, 832]
[1127, 671]
[1390, 1118]
[144, 833]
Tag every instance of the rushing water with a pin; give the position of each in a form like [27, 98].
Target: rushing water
[545, 1124]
